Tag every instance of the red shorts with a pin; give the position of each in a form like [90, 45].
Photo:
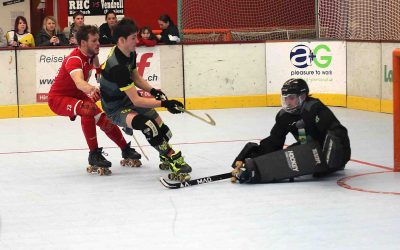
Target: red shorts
[67, 105]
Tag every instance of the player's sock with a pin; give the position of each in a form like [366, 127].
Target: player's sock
[89, 130]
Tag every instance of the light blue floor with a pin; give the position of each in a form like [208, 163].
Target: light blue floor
[48, 201]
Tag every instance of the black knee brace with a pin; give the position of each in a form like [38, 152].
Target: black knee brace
[150, 129]
[166, 132]
[336, 151]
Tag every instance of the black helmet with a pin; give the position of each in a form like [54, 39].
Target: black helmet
[294, 93]
[295, 86]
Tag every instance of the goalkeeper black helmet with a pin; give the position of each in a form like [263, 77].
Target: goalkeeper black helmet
[293, 94]
[295, 86]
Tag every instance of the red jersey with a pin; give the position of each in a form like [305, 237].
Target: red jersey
[63, 84]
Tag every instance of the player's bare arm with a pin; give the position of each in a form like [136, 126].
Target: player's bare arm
[139, 101]
[143, 84]
[140, 81]
[84, 86]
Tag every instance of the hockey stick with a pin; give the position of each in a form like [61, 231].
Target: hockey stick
[137, 143]
[199, 181]
[209, 121]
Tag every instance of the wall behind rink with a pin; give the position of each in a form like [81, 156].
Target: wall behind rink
[357, 74]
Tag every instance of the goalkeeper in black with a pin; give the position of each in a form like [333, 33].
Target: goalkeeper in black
[322, 146]
[126, 108]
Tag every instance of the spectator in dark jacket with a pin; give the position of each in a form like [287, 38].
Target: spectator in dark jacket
[70, 32]
[170, 33]
[50, 35]
[106, 29]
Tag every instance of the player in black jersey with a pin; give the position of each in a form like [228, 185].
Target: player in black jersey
[126, 108]
[322, 147]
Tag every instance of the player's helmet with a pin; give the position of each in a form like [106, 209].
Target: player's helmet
[293, 93]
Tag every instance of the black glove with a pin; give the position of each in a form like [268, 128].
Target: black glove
[244, 175]
[172, 106]
[246, 172]
[158, 94]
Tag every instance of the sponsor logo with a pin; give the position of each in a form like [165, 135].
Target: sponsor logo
[302, 56]
[51, 59]
[291, 159]
[185, 184]
[152, 128]
[95, 7]
[387, 74]
[316, 155]
[204, 180]
[143, 62]
[328, 152]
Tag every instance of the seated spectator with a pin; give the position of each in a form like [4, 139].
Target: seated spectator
[20, 36]
[169, 33]
[50, 34]
[106, 29]
[3, 41]
[146, 37]
[78, 21]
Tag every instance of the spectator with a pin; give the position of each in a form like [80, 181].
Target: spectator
[20, 36]
[169, 33]
[146, 37]
[3, 41]
[50, 34]
[70, 32]
[106, 29]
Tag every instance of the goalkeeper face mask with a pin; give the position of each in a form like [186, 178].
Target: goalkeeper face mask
[292, 103]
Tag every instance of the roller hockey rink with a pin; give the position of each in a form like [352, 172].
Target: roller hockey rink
[49, 201]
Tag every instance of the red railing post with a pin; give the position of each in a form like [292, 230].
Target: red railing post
[396, 109]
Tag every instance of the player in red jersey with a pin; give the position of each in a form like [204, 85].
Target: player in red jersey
[71, 95]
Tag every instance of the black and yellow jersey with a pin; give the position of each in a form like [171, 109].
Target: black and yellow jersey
[115, 79]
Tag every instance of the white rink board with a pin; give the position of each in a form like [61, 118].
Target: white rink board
[8, 79]
[224, 69]
[325, 73]
[364, 69]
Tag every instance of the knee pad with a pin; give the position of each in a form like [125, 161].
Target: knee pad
[334, 151]
[166, 132]
[105, 124]
[87, 108]
[149, 128]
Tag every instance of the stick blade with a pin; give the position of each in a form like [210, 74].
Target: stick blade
[211, 122]
[169, 185]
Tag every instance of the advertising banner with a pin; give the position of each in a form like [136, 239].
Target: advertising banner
[322, 64]
[95, 7]
[49, 61]
[387, 69]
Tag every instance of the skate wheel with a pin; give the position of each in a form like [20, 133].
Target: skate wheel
[131, 163]
[100, 171]
[163, 166]
[137, 163]
[172, 176]
[89, 169]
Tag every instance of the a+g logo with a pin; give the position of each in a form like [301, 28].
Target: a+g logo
[301, 56]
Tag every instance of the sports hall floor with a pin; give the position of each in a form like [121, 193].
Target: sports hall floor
[48, 201]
